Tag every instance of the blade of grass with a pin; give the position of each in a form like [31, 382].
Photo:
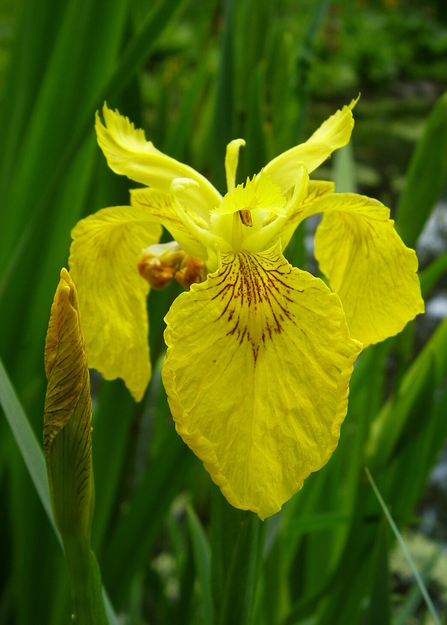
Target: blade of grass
[413, 597]
[401, 542]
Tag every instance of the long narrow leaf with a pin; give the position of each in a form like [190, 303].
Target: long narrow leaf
[426, 175]
[401, 542]
[202, 557]
[26, 440]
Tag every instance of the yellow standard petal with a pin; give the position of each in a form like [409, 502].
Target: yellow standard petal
[367, 264]
[129, 154]
[258, 193]
[112, 295]
[67, 418]
[334, 133]
[257, 371]
[159, 205]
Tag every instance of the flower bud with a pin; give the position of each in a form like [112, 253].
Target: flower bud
[158, 263]
[67, 419]
[192, 271]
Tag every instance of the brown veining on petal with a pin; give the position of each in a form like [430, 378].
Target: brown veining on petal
[257, 297]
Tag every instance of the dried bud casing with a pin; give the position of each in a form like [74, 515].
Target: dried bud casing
[158, 263]
[192, 271]
[67, 418]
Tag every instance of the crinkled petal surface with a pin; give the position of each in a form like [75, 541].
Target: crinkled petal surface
[257, 370]
[334, 133]
[112, 295]
[129, 154]
[367, 264]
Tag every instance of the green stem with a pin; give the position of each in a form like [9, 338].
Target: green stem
[237, 541]
[85, 580]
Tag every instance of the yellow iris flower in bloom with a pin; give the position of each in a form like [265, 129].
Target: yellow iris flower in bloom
[259, 353]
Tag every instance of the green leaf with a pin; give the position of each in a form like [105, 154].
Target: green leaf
[305, 61]
[224, 104]
[33, 457]
[426, 176]
[401, 542]
[255, 153]
[179, 133]
[344, 170]
[431, 274]
[379, 608]
[317, 522]
[140, 523]
[26, 440]
[202, 558]
[413, 396]
[410, 605]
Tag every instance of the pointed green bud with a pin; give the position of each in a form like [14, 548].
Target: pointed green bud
[68, 412]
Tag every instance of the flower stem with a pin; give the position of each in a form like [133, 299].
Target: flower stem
[237, 541]
[85, 580]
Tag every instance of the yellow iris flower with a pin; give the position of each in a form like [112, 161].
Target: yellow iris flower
[259, 353]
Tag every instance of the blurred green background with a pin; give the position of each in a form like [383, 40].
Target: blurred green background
[195, 75]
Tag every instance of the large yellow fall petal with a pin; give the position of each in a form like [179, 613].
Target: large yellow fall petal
[129, 154]
[112, 295]
[334, 133]
[257, 370]
[367, 264]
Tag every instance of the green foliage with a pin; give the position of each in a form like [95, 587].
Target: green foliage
[169, 548]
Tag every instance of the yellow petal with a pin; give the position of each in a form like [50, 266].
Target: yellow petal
[368, 265]
[257, 370]
[128, 153]
[258, 193]
[231, 162]
[112, 295]
[334, 133]
[158, 204]
[316, 189]
[67, 418]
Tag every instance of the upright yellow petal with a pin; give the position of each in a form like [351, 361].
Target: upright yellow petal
[112, 295]
[316, 189]
[129, 154]
[159, 205]
[231, 162]
[257, 371]
[367, 264]
[334, 133]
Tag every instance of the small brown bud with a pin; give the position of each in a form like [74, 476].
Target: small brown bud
[192, 271]
[158, 263]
